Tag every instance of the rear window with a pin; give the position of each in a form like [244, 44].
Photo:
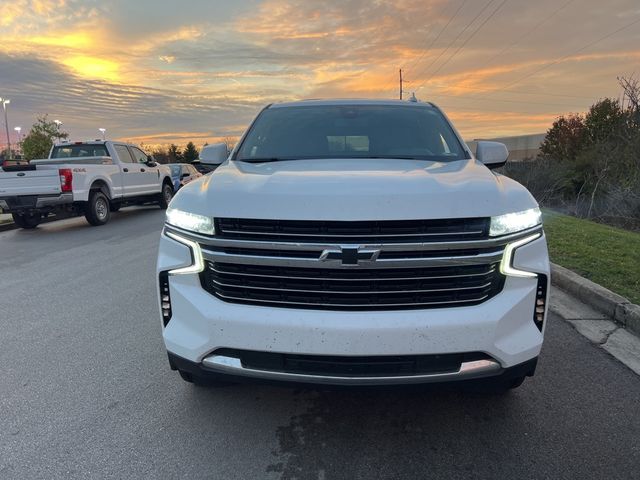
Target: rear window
[351, 131]
[79, 150]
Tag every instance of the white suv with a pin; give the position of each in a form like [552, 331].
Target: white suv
[354, 242]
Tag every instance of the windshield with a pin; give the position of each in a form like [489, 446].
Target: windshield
[350, 131]
[175, 170]
[80, 150]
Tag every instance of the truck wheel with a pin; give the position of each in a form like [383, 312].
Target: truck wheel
[165, 196]
[97, 210]
[27, 220]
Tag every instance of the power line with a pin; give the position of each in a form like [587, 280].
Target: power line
[424, 70]
[451, 57]
[415, 62]
[486, 99]
[529, 32]
[424, 52]
[575, 52]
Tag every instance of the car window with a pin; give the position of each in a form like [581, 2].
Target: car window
[185, 170]
[351, 131]
[175, 170]
[79, 150]
[123, 153]
[138, 155]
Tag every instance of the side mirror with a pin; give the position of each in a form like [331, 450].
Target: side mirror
[492, 154]
[184, 175]
[214, 154]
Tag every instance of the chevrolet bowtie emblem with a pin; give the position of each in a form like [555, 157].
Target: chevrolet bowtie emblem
[350, 256]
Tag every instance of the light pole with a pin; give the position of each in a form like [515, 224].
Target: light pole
[102, 130]
[5, 102]
[19, 129]
[58, 123]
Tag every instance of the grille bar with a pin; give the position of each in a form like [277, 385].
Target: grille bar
[381, 278]
[379, 292]
[394, 235]
[341, 306]
[388, 231]
[315, 262]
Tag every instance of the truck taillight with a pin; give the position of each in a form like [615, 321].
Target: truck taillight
[66, 179]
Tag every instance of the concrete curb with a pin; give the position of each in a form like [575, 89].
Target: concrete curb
[611, 304]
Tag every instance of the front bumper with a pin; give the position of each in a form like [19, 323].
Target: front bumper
[502, 327]
[230, 369]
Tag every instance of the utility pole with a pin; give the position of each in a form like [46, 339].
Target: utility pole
[400, 84]
[5, 102]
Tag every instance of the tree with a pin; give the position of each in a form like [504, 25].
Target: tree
[564, 139]
[160, 154]
[174, 155]
[604, 121]
[40, 138]
[190, 153]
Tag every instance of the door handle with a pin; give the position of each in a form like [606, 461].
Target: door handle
[125, 169]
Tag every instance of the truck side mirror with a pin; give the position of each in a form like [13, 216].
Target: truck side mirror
[492, 154]
[214, 154]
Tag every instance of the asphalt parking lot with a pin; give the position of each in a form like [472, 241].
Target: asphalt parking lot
[86, 391]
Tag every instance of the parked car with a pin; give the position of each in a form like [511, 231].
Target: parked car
[91, 178]
[354, 243]
[182, 173]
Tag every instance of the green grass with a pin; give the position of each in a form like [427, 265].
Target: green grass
[606, 255]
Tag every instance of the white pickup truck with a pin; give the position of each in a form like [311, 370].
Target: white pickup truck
[91, 178]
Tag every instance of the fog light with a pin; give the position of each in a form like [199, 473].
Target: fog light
[541, 300]
[165, 297]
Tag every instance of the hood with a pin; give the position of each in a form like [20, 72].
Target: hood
[353, 189]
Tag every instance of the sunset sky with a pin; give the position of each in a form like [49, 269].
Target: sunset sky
[172, 71]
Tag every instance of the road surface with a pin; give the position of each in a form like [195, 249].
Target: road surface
[86, 392]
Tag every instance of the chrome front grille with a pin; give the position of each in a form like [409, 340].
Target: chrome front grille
[280, 270]
[353, 289]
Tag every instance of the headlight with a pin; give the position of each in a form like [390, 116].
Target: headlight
[190, 221]
[515, 222]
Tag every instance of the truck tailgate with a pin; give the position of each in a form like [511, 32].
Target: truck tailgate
[30, 182]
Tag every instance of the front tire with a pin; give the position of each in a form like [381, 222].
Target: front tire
[165, 196]
[27, 220]
[97, 210]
